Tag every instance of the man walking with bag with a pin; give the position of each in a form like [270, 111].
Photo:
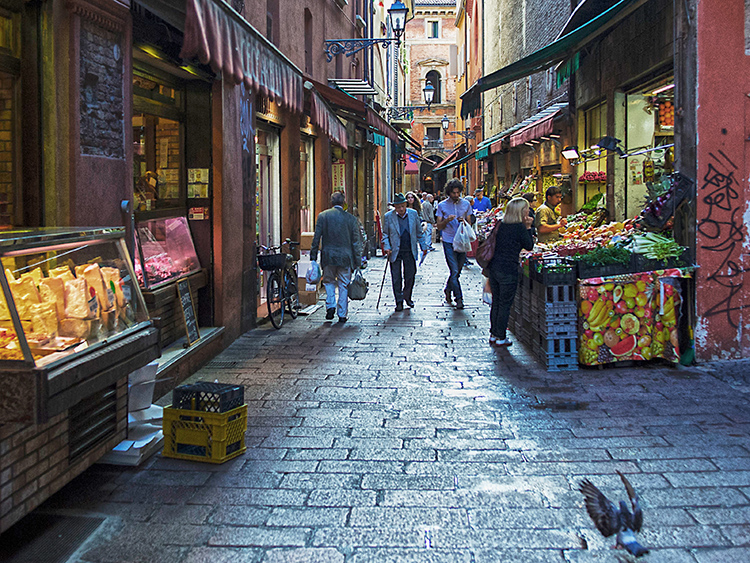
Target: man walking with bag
[342, 252]
[400, 232]
[450, 213]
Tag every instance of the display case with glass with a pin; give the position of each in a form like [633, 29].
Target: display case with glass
[165, 251]
[63, 292]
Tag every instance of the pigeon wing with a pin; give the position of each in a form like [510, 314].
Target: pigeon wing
[637, 520]
[602, 511]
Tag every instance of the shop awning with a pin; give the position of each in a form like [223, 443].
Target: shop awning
[223, 39]
[411, 167]
[564, 47]
[409, 139]
[482, 153]
[326, 119]
[375, 121]
[452, 156]
[455, 162]
[542, 127]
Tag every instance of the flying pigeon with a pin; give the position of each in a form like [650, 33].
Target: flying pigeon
[609, 519]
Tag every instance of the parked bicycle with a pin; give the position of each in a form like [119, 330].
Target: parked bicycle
[282, 293]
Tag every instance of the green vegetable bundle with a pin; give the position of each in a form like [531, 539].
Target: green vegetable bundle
[606, 255]
[656, 247]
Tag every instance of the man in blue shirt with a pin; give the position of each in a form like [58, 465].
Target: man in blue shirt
[450, 212]
[481, 204]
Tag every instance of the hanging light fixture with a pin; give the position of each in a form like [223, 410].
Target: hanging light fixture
[429, 94]
[445, 122]
[397, 13]
[610, 144]
[570, 152]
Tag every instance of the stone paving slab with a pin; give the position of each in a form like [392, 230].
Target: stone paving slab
[401, 437]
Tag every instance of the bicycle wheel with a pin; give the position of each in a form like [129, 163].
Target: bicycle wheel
[275, 300]
[292, 292]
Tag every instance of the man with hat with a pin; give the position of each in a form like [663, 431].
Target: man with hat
[400, 231]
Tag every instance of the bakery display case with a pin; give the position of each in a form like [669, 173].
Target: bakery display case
[165, 251]
[72, 318]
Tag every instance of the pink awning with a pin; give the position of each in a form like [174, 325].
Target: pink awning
[411, 167]
[221, 38]
[324, 118]
[496, 146]
[536, 130]
[374, 120]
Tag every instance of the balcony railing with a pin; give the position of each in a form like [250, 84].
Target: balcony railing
[433, 144]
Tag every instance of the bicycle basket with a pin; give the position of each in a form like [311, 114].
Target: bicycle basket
[271, 261]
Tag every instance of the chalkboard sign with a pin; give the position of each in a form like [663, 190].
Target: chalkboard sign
[188, 312]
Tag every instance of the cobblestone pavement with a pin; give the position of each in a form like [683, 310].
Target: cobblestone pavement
[404, 437]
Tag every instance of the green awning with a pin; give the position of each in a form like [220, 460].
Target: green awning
[565, 47]
[455, 162]
[482, 153]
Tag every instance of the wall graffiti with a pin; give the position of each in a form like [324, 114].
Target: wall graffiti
[723, 233]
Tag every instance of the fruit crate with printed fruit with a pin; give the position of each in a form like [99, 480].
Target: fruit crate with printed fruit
[629, 317]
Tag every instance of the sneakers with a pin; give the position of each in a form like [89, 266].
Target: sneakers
[459, 303]
[329, 313]
[493, 340]
[448, 299]
[504, 343]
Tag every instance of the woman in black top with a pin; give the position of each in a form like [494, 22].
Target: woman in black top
[512, 235]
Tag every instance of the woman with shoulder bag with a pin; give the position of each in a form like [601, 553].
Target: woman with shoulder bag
[513, 234]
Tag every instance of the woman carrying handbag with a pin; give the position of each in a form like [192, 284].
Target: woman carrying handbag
[511, 235]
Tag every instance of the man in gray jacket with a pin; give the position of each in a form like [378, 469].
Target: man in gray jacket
[342, 252]
[400, 228]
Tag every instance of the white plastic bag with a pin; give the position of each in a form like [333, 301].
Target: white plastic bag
[463, 238]
[312, 276]
[487, 292]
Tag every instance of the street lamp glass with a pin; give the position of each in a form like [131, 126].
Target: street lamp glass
[445, 122]
[429, 93]
[397, 12]
[571, 153]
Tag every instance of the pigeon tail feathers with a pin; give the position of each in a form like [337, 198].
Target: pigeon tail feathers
[626, 539]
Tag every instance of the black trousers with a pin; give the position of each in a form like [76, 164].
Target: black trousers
[403, 285]
[504, 288]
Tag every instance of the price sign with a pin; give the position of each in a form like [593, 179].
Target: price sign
[188, 311]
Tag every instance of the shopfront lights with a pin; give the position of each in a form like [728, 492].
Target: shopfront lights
[662, 89]
[610, 144]
[571, 153]
[445, 123]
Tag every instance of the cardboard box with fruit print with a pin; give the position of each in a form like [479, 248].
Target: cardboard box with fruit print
[629, 317]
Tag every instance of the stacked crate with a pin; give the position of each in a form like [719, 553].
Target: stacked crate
[544, 313]
[206, 422]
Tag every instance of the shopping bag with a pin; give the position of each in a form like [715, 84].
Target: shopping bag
[463, 238]
[358, 287]
[487, 292]
[313, 273]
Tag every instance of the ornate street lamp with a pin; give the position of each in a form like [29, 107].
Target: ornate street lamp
[396, 13]
[429, 94]
[445, 122]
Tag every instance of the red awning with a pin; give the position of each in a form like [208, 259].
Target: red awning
[326, 120]
[450, 157]
[411, 167]
[536, 130]
[496, 146]
[374, 120]
[219, 37]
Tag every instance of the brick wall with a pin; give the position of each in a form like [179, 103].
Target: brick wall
[102, 126]
[6, 149]
[34, 460]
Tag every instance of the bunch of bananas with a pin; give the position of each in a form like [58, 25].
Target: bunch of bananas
[599, 315]
[669, 318]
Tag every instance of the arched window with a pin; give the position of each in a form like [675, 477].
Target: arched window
[433, 77]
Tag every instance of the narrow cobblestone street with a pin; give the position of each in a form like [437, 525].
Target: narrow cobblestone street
[404, 437]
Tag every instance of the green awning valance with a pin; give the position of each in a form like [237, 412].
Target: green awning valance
[565, 47]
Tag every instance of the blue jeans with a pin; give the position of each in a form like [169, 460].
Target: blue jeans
[333, 277]
[455, 262]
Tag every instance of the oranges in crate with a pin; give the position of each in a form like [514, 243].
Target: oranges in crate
[666, 113]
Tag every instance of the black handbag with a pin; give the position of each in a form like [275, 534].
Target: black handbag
[358, 287]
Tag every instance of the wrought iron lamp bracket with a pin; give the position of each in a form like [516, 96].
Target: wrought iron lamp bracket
[348, 47]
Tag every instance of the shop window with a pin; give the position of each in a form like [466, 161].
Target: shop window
[307, 189]
[10, 185]
[433, 29]
[433, 77]
[158, 144]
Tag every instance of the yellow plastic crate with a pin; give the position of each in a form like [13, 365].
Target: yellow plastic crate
[204, 436]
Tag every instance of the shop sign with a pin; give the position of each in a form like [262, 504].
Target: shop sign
[549, 154]
[198, 213]
[338, 175]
